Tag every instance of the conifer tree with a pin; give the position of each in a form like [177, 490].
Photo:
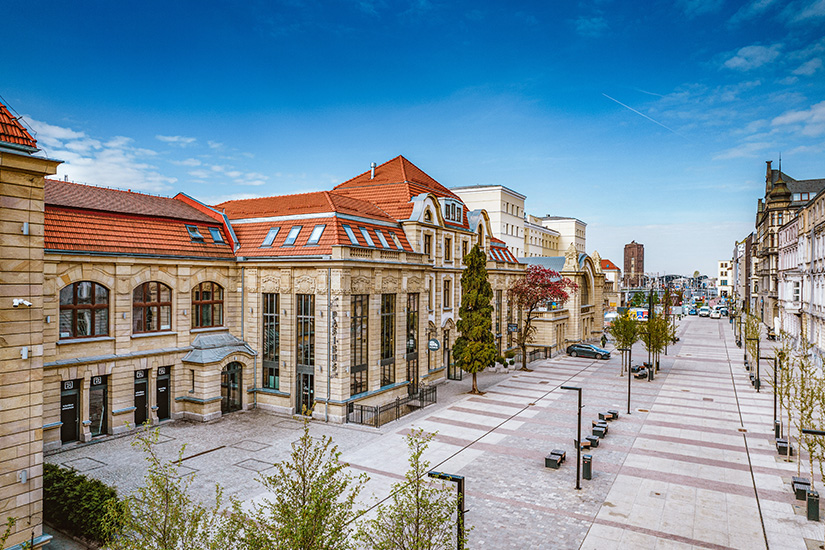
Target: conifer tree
[475, 348]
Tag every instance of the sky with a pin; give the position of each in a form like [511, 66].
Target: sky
[650, 121]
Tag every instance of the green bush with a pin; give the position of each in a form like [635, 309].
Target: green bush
[75, 503]
[510, 354]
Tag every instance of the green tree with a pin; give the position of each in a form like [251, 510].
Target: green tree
[475, 349]
[420, 513]
[161, 514]
[784, 385]
[312, 505]
[625, 331]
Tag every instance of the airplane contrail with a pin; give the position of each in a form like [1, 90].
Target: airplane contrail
[644, 115]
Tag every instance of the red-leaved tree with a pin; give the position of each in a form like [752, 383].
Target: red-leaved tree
[537, 289]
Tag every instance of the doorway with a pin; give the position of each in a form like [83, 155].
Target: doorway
[231, 399]
[305, 394]
[69, 411]
[412, 373]
[141, 398]
[97, 406]
[162, 397]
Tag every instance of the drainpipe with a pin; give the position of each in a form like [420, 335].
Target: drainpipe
[243, 302]
[255, 381]
[329, 340]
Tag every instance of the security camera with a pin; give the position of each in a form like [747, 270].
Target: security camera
[17, 302]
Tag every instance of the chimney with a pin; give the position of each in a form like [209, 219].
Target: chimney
[65, 177]
[372, 170]
[768, 178]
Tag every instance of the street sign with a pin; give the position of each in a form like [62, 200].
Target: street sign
[433, 344]
[512, 327]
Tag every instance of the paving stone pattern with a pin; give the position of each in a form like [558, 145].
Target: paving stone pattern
[692, 466]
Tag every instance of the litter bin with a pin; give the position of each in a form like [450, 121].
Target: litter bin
[777, 430]
[587, 473]
[813, 505]
[650, 373]
[757, 383]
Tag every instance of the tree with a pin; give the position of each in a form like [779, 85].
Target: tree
[625, 330]
[161, 514]
[537, 289]
[475, 349]
[420, 514]
[312, 504]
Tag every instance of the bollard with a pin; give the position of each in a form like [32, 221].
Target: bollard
[757, 383]
[587, 472]
[813, 505]
[777, 430]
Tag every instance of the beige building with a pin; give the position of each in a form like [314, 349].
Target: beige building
[21, 330]
[505, 208]
[540, 240]
[724, 277]
[571, 231]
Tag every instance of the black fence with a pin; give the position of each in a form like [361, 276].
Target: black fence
[544, 352]
[378, 415]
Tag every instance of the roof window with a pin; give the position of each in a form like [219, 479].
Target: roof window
[352, 238]
[216, 235]
[382, 238]
[270, 237]
[293, 235]
[194, 234]
[315, 236]
[397, 242]
[366, 235]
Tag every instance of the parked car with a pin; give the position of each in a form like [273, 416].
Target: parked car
[704, 311]
[692, 311]
[715, 314]
[724, 311]
[587, 350]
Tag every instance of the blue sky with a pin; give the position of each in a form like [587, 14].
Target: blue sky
[647, 120]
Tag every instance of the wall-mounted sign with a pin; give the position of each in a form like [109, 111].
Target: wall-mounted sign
[433, 344]
[512, 327]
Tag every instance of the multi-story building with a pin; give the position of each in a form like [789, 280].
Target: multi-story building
[613, 278]
[634, 265]
[540, 240]
[21, 329]
[571, 231]
[792, 263]
[783, 197]
[505, 209]
[724, 278]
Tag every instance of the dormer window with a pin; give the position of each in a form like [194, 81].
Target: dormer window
[366, 236]
[194, 234]
[397, 242]
[428, 216]
[315, 236]
[381, 238]
[293, 235]
[217, 238]
[352, 238]
[270, 237]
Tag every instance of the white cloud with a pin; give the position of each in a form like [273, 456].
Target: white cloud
[809, 67]
[186, 162]
[752, 10]
[789, 80]
[115, 162]
[214, 144]
[751, 57]
[694, 8]
[745, 150]
[808, 122]
[202, 174]
[811, 11]
[181, 141]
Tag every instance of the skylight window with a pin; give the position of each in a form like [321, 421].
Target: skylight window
[352, 238]
[270, 237]
[367, 237]
[216, 235]
[293, 235]
[396, 241]
[315, 236]
[194, 234]
[382, 238]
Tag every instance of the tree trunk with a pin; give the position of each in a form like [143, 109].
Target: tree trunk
[475, 385]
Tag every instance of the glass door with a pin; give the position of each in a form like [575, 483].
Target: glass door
[97, 406]
[141, 399]
[231, 400]
[69, 411]
[305, 393]
[162, 397]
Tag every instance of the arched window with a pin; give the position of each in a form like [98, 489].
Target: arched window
[585, 292]
[84, 310]
[428, 216]
[207, 305]
[151, 308]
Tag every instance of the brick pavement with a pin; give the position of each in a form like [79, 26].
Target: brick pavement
[693, 466]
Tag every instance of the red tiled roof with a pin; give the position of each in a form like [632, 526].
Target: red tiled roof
[76, 230]
[11, 131]
[398, 170]
[300, 204]
[610, 266]
[251, 237]
[500, 253]
[89, 197]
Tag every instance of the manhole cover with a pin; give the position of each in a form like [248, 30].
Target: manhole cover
[249, 445]
[84, 464]
[254, 465]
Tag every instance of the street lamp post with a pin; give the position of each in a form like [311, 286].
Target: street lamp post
[629, 361]
[579, 436]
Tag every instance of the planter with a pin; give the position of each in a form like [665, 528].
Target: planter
[813, 506]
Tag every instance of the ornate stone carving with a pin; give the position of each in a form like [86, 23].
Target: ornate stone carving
[361, 285]
[571, 259]
[414, 284]
[305, 285]
[271, 283]
[390, 284]
[597, 260]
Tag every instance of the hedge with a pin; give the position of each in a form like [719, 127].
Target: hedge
[75, 503]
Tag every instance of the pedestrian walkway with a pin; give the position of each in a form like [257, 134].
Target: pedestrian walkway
[692, 466]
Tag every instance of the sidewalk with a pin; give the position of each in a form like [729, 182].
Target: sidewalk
[692, 466]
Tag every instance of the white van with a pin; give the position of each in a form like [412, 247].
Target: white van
[704, 311]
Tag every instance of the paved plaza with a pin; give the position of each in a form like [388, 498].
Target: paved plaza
[693, 466]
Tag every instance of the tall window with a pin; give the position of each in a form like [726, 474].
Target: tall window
[306, 329]
[498, 311]
[428, 246]
[463, 249]
[84, 310]
[412, 323]
[207, 305]
[448, 293]
[387, 339]
[359, 382]
[151, 308]
[272, 338]
[448, 249]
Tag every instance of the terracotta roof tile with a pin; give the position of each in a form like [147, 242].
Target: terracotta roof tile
[89, 197]
[301, 204]
[74, 230]
[14, 133]
[608, 265]
[397, 170]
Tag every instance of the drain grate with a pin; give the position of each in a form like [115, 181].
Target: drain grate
[643, 410]
[707, 399]
[743, 430]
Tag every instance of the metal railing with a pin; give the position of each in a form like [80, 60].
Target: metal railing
[378, 415]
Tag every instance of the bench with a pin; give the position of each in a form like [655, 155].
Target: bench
[585, 445]
[800, 486]
[599, 431]
[555, 459]
[606, 416]
[614, 412]
[783, 447]
[594, 441]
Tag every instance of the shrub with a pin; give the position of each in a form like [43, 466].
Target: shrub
[75, 503]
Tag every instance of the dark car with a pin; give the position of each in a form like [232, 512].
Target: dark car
[692, 311]
[587, 350]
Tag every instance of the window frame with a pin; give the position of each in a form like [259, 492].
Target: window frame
[194, 233]
[359, 347]
[292, 236]
[351, 234]
[314, 239]
[382, 239]
[214, 305]
[387, 342]
[151, 308]
[271, 341]
[76, 307]
[217, 237]
[367, 238]
[270, 237]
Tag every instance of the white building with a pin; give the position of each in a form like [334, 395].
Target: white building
[505, 208]
[571, 230]
[724, 278]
